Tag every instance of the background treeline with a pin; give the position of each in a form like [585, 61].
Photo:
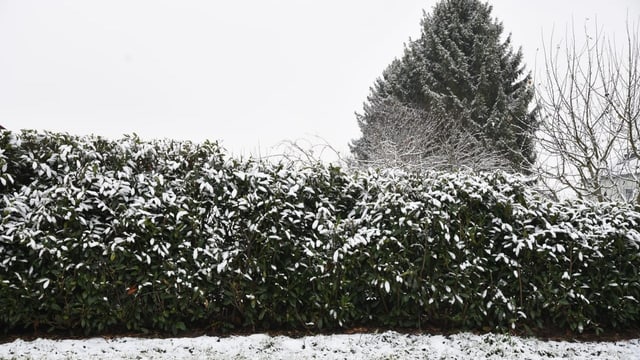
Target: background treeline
[101, 235]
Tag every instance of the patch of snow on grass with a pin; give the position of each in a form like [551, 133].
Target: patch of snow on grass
[388, 345]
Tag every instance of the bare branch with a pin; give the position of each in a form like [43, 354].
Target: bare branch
[589, 102]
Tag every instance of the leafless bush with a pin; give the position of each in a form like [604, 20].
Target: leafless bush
[401, 136]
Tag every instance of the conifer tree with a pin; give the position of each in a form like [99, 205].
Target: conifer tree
[462, 72]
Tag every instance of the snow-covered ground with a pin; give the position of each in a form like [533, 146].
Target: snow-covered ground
[388, 345]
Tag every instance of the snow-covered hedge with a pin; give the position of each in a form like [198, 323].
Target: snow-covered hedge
[103, 235]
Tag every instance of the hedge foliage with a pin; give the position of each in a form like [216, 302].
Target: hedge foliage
[100, 235]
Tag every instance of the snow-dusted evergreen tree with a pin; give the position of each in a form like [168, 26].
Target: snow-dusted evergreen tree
[461, 71]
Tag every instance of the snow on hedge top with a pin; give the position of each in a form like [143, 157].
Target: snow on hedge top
[187, 216]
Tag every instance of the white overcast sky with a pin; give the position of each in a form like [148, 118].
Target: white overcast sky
[248, 73]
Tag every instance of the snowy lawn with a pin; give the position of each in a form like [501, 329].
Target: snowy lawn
[388, 345]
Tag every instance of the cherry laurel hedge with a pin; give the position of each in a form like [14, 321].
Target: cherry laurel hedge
[100, 235]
